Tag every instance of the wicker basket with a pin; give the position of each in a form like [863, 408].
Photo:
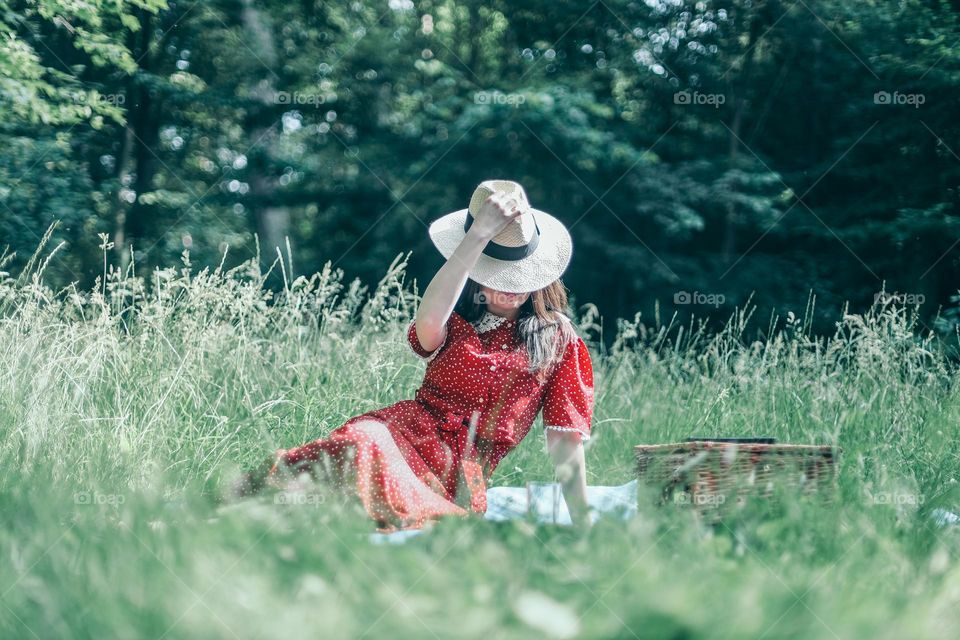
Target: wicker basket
[712, 474]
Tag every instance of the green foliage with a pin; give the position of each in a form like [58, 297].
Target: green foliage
[123, 405]
[696, 146]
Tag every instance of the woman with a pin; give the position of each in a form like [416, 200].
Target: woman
[498, 350]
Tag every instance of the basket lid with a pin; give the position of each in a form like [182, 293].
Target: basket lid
[735, 440]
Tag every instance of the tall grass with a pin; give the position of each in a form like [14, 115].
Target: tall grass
[124, 406]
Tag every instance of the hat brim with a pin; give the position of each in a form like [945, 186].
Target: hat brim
[536, 271]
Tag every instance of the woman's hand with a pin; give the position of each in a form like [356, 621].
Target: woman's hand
[566, 450]
[494, 215]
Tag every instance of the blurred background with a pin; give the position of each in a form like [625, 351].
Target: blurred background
[703, 154]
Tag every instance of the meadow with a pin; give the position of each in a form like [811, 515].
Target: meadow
[125, 407]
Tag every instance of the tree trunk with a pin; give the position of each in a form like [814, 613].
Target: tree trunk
[142, 128]
[120, 207]
[272, 218]
[474, 39]
[740, 103]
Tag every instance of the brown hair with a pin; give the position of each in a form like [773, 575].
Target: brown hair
[543, 323]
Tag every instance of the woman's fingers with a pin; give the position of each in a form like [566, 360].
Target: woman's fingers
[498, 210]
[503, 202]
[510, 206]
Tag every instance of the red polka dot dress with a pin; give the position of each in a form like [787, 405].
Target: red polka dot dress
[432, 456]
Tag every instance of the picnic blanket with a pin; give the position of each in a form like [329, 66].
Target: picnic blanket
[542, 501]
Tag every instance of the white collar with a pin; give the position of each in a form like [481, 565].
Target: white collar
[487, 322]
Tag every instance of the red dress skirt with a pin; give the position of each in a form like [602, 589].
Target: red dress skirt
[432, 456]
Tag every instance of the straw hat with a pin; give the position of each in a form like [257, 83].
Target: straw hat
[532, 251]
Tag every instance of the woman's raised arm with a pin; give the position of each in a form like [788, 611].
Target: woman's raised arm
[440, 296]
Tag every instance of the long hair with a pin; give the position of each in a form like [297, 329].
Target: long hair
[543, 323]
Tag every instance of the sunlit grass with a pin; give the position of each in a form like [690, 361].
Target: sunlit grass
[123, 408]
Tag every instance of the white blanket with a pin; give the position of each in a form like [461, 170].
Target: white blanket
[543, 502]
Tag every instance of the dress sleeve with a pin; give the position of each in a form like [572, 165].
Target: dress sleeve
[453, 329]
[568, 396]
